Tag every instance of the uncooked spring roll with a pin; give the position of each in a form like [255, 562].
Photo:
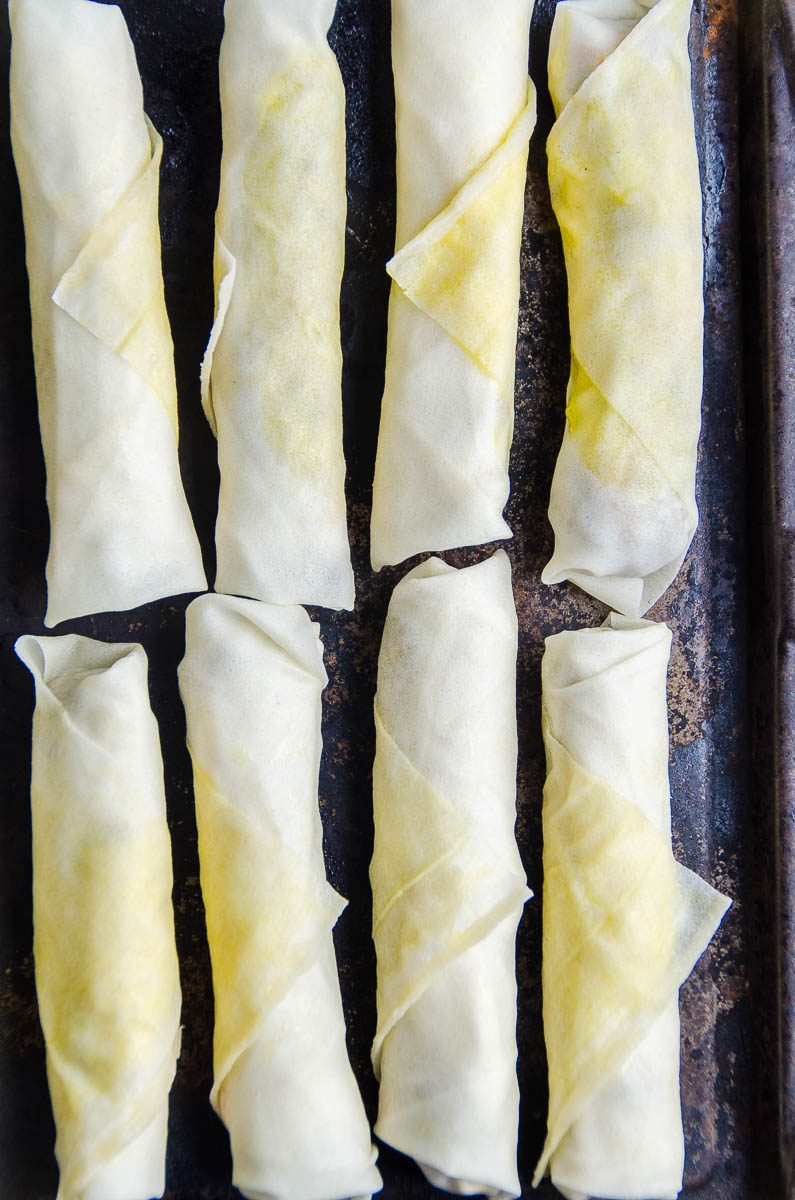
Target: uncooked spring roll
[272, 373]
[251, 682]
[448, 883]
[624, 923]
[88, 163]
[465, 110]
[623, 173]
[107, 976]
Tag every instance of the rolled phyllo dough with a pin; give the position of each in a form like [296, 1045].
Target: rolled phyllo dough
[251, 682]
[624, 923]
[448, 883]
[272, 373]
[465, 111]
[623, 173]
[88, 163]
[106, 964]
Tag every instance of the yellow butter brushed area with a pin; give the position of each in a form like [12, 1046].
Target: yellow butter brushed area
[624, 181]
[114, 288]
[624, 924]
[285, 272]
[104, 1017]
[461, 269]
[106, 968]
[608, 445]
[437, 888]
[268, 915]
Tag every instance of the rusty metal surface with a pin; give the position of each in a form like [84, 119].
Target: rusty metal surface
[769, 216]
[729, 1050]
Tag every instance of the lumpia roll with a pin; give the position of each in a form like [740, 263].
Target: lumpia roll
[107, 976]
[448, 883]
[251, 682]
[624, 923]
[465, 110]
[88, 163]
[272, 373]
[623, 173]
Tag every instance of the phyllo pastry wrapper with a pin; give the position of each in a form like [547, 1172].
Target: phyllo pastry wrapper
[448, 884]
[88, 163]
[624, 179]
[624, 923]
[465, 110]
[272, 375]
[251, 682]
[107, 977]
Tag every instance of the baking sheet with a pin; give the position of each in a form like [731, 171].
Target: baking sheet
[768, 172]
[731, 1051]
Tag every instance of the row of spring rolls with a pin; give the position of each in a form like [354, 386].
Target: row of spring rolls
[625, 189]
[623, 922]
[107, 976]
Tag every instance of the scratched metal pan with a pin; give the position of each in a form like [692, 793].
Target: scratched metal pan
[733, 662]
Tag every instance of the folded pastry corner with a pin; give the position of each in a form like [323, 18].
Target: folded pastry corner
[625, 190]
[460, 269]
[114, 286]
[448, 884]
[437, 890]
[272, 373]
[251, 682]
[281, 916]
[441, 477]
[88, 163]
[624, 923]
[107, 976]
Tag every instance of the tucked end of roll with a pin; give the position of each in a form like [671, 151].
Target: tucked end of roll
[581, 39]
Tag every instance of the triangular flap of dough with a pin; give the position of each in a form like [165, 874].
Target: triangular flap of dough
[282, 631]
[111, 1058]
[268, 913]
[437, 889]
[114, 288]
[461, 269]
[584, 33]
[612, 447]
[224, 269]
[624, 925]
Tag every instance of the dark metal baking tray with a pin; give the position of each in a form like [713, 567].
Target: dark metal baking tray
[732, 673]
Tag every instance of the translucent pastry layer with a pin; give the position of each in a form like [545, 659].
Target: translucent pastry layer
[107, 977]
[272, 372]
[465, 110]
[88, 163]
[448, 883]
[623, 173]
[624, 923]
[251, 682]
